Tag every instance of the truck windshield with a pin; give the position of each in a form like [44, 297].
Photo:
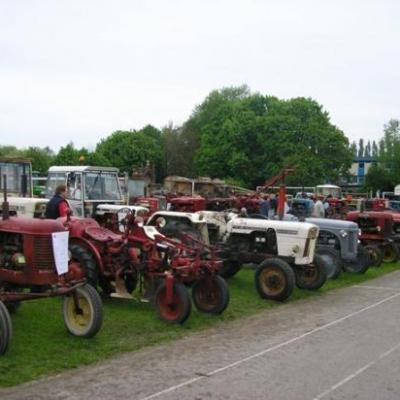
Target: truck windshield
[53, 180]
[102, 186]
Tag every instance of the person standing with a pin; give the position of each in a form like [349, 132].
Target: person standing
[264, 206]
[58, 205]
[318, 210]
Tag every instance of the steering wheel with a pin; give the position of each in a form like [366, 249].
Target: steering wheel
[128, 220]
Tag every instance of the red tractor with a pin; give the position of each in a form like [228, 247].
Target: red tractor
[159, 266]
[188, 204]
[30, 269]
[377, 235]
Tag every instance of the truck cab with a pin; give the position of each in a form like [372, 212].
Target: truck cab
[87, 187]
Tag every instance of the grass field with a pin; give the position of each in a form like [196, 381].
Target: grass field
[42, 347]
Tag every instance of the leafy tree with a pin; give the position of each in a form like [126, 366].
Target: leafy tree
[131, 149]
[367, 151]
[67, 155]
[374, 149]
[250, 137]
[389, 154]
[10, 151]
[361, 148]
[378, 178]
[353, 149]
[41, 158]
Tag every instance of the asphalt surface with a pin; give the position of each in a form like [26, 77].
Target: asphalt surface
[342, 345]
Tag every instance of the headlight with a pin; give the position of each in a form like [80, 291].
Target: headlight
[313, 233]
[378, 228]
[343, 233]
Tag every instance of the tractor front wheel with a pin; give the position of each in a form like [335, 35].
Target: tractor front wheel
[363, 261]
[5, 328]
[333, 261]
[274, 279]
[229, 268]
[375, 255]
[178, 309]
[311, 276]
[211, 295]
[83, 312]
[390, 252]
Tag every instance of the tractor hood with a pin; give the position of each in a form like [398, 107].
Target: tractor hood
[32, 226]
[325, 223]
[247, 225]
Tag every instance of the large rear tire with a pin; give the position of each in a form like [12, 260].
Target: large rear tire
[87, 262]
[211, 295]
[333, 261]
[83, 312]
[5, 328]
[176, 311]
[311, 276]
[274, 279]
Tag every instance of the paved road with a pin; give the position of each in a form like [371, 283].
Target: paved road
[342, 345]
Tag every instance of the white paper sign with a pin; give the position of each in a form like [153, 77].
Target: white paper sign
[60, 250]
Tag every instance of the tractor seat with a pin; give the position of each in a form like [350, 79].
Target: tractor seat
[102, 234]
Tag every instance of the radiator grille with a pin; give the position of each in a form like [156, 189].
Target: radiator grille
[43, 257]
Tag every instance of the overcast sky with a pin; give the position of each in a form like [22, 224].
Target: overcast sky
[79, 70]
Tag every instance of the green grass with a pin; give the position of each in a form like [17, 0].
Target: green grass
[42, 347]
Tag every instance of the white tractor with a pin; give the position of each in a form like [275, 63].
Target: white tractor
[284, 251]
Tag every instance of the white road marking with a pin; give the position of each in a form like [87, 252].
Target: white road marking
[268, 350]
[376, 287]
[358, 372]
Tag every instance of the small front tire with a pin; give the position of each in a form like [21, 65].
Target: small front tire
[312, 276]
[274, 279]
[5, 328]
[179, 309]
[83, 312]
[211, 295]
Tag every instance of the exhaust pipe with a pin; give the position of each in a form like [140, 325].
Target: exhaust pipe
[5, 206]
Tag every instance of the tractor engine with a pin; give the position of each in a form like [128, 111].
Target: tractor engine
[11, 251]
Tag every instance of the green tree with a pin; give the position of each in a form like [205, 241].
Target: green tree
[361, 148]
[250, 137]
[378, 178]
[375, 151]
[389, 152]
[41, 158]
[10, 151]
[353, 148]
[131, 149]
[367, 151]
[67, 155]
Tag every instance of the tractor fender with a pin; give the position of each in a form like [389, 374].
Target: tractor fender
[89, 246]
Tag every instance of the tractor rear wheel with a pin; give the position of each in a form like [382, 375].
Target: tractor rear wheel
[333, 261]
[176, 311]
[211, 295]
[363, 261]
[311, 276]
[87, 262]
[274, 279]
[5, 328]
[229, 268]
[391, 252]
[83, 312]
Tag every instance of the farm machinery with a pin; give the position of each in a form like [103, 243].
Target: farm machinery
[160, 267]
[35, 263]
[377, 235]
[283, 251]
